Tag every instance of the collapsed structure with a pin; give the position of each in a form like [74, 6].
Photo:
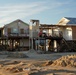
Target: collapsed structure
[22, 36]
[58, 37]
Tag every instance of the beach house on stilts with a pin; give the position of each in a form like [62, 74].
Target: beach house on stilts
[14, 36]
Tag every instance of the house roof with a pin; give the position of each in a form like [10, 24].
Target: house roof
[18, 20]
[71, 20]
[67, 21]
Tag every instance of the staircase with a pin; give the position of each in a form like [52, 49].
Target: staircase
[66, 46]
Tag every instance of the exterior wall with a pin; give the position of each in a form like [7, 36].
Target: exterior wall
[67, 33]
[74, 33]
[16, 25]
[50, 32]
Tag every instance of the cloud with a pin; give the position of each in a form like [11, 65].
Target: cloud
[57, 3]
[9, 13]
[58, 7]
[12, 11]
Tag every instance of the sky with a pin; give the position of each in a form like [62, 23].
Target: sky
[47, 11]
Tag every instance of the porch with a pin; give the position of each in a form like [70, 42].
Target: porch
[14, 43]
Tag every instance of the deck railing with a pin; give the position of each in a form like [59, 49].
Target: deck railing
[17, 34]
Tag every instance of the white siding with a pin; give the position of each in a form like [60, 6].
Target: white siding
[16, 25]
[67, 34]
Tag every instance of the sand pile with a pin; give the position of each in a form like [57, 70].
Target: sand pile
[69, 60]
[16, 67]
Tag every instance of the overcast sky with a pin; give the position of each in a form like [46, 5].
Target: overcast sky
[47, 11]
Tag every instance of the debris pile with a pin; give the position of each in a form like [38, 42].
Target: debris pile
[64, 61]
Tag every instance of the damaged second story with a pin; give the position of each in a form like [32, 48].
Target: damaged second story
[61, 37]
[66, 27]
[67, 31]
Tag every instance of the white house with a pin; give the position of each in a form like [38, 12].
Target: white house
[69, 27]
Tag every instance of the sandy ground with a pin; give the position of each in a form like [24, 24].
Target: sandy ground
[34, 64]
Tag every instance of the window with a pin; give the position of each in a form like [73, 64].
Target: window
[22, 31]
[9, 30]
[14, 30]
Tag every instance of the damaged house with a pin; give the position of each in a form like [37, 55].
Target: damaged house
[61, 37]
